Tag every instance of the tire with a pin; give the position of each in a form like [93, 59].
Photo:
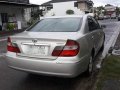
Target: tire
[89, 70]
[102, 48]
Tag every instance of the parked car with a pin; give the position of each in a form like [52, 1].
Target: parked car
[106, 17]
[119, 18]
[113, 16]
[60, 46]
[101, 17]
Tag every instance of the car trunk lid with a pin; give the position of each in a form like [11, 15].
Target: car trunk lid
[40, 45]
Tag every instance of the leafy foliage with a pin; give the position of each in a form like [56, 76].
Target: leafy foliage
[36, 14]
[117, 11]
[10, 26]
[109, 71]
[69, 12]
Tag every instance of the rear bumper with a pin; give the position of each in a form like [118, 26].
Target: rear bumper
[47, 67]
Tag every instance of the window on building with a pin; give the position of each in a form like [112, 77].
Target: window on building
[4, 17]
[75, 4]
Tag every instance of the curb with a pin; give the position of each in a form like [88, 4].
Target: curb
[116, 52]
[111, 43]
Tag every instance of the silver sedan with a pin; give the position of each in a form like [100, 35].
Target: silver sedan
[59, 46]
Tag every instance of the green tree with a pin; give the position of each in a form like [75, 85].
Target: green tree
[69, 12]
[117, 11]
[100, 9]
[36, 14]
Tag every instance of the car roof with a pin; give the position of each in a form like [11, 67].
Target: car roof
[67, 16]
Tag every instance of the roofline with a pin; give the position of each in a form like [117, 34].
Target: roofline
[49, 3]
[86, 1]
[46, 5]
[65, 1]
[15, 3]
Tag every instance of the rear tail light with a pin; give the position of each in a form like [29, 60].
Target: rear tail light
[12, 47]
[70, 49]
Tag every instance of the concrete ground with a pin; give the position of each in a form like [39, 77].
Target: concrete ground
[111, 85]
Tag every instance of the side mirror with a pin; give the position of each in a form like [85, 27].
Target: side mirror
[103, 26]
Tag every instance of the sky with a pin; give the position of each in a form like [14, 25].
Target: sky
[96, 2]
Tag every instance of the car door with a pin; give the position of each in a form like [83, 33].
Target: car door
[100, 34]
[94, 33]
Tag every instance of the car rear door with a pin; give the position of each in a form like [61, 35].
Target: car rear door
[94, 33]
[100, 33]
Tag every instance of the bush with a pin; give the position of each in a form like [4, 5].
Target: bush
[10, 26]
[31, 22]
[69, 12]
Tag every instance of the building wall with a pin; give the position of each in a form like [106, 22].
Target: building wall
[59, 9]
[15, 12]
[62, 7]
[83, 6]
[110, 10]
[12, 10]
[27, 14]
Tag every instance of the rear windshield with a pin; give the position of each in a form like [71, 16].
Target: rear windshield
[57, 25]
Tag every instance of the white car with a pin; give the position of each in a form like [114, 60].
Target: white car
[113, 16]
[60, 46]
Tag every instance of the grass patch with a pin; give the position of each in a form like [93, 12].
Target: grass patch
[110, 70]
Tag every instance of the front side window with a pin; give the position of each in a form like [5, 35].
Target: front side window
[57, 25]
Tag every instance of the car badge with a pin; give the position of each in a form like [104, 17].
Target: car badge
[34, 41]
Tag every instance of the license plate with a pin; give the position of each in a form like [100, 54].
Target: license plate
[37, 50]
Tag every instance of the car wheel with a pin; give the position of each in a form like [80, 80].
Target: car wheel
[90, 67]
[102, 48]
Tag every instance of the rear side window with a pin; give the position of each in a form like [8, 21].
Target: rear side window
[57, 25]
[97, 24]
[93, 24]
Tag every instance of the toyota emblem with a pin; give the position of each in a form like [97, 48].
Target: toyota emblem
[34, 41]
